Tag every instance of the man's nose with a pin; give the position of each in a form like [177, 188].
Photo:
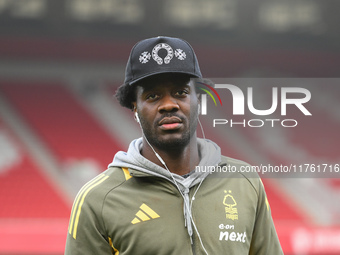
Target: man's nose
[168, 104]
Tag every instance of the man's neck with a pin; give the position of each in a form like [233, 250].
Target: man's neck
[178, 160]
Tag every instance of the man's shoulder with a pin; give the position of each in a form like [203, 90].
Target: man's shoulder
[97, 189]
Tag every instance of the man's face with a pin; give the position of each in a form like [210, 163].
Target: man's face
[167, 107]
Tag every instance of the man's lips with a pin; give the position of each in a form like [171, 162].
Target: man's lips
[170, 123]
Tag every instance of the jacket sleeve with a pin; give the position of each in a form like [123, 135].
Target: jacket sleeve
[264, 240]
[86, 233]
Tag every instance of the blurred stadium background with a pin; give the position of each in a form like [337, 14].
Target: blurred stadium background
[61, 61]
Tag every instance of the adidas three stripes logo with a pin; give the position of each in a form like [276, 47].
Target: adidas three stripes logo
[145, 213]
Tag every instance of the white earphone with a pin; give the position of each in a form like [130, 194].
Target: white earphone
[136, 117]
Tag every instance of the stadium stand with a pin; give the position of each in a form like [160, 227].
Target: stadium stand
[33, 211]
[24, 190]
[61, 121]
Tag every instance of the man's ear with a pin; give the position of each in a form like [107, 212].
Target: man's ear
[134, 107]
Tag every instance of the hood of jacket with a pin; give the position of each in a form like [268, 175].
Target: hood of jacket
[210, 156]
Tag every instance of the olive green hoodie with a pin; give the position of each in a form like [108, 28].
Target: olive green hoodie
[136, 207]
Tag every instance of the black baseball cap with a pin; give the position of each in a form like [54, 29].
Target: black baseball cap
[161, 55]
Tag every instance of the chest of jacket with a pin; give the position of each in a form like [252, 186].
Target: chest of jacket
[145, 216]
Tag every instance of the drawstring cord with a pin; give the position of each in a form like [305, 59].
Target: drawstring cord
[188, 213]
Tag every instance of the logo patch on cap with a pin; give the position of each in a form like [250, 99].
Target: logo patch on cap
[167, 58]
[146, 56]
[180, 54]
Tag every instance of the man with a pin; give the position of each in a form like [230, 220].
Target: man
[151, 200]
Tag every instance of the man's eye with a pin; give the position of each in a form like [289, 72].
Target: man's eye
[152, 96]
[182, 93]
